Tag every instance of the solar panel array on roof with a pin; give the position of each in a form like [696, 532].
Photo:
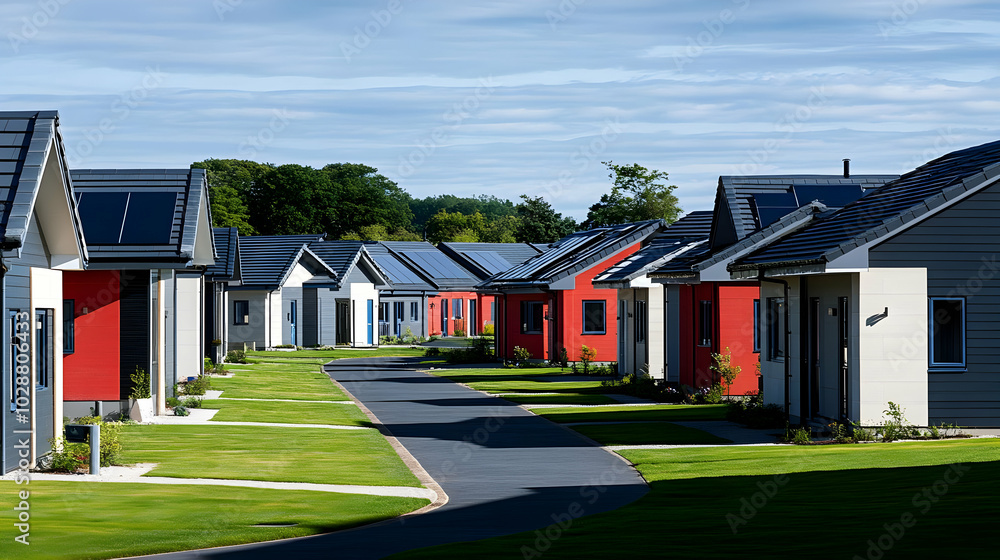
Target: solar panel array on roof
[834, 196]
[397, 271]
[771, 207]
[127, 218]
[491, 261]
[436, 264]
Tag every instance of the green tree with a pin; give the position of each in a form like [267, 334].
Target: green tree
[291, 199]
[229, 183]
[540, 223]
[454, 226]
[491, 207]
[500, 230]
[637, 195]
[364, 197]
[377, 232]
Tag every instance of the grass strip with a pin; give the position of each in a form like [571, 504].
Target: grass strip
[648, 433]
[654, 413]
[287, 412]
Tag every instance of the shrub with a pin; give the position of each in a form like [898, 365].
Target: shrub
[862, 434]
[191, 402]
[587, 355]
[68, 457]
[563, 358]
[897, 426]
[199, 386]
[841, 433]
[173, 402]
[111, 445]
[140, 384]
[432, 351]
[209, 365]
[459, 332]
[727, 371]
[521, 355]
[753, 413]
[181, 410]
[489, 329]
[799, 436]
[236, 357]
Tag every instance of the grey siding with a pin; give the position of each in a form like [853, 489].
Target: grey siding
[960, 248]
[17, 294]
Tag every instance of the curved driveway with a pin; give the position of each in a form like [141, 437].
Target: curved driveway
[504, 469]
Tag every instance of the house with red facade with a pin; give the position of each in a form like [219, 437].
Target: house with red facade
[139, 305]
[549, 303]
[705, 308]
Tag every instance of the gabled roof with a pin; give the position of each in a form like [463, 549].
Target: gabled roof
[35, 181]
[487, 259]
[434, 266]
[573, 254]
[745, 204]
[266, 260]
[343, 255]
[401, 275]
[879, 215]
[227, 256]
[145, 217]
[678, 239]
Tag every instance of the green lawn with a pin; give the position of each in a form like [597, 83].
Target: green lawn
[285, 412]
[339, 353]
[646, 433]
[564, 398]
[654, 413]
[811, 502]
[263, 453]
[275, 382]
[84, 520]
[529, 380]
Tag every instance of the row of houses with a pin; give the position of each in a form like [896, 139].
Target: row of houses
[834, 294]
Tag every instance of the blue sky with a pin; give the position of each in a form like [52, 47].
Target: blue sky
[511, 97]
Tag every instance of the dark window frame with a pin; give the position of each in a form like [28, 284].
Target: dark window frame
[45, 342]
[69, 326]
[414, 311]
[776, 350]
[241, 318]
[705, 323]
[641, 318]
[604, 316]
[756, 326]
[933, 331]
[532, 312]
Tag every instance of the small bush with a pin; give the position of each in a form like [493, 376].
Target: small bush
[896, 427]
[111, 445]
[563, 358]
[140, 384]
[521, 355]
[431, 352]
[587, 355]
[489, 329]
[727, 371]
[236, 357]
[459, 332]
[68, 457]
[209, 365]
[199, 386]
[753, 413]
[173, 402]
[191, 402]
[862, 434]
[841, 433]
[181, 410]
[799, 436]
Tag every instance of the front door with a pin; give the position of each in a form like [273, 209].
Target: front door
[371, 322]
[472, 318]
[813, 362]
[843, 339]
[343, 322]
[292, 321]
[444, 317]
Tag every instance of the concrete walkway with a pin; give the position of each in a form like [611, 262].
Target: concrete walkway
[504, 469]
[203, 417]
[136, 475]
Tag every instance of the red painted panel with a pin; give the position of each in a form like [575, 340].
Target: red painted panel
[736, 332]
[481, 302]
[91, 373]
[535, 343]
[702, 374]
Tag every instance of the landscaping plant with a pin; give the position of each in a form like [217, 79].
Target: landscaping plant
[140, 384]
[587, 355]
[111, 445]
[521, 356]
[727, 371]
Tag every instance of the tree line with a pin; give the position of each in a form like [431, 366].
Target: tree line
[354, 201]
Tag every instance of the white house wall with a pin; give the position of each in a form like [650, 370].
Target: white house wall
[46, 293]
[893, 350]
[188, 301]
[656, 331]
[361, 293]
[275, 319]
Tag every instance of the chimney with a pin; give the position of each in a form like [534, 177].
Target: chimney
[847, 168]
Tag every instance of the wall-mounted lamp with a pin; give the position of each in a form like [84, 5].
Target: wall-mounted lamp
[85, 311]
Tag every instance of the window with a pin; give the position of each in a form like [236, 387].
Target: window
[756, 325]
[531, 317]
[383, 311]
[704, 323]
[593, 317]
[69, 326]
[44, 346]
[241, 312]
[947, 343]
[456, 308]
[414, 311]
[641, 322]
[493, 311]
[776, 329]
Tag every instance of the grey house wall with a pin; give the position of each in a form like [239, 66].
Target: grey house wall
[959, 248]
[418, 327]
[17, 296]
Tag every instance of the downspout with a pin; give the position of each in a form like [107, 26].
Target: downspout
[787, 335]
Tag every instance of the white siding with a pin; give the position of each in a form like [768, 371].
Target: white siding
[188, 324]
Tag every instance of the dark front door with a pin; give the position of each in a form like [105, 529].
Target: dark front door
[843, 340]
[814, 357]
[473, 330]
[343, 322]
[444, 317]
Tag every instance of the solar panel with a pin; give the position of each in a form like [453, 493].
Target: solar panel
[771, 207]
[149, 219]
[490, 261]
[435, 264]
[834, 196]
[397, 271]
[102, 214]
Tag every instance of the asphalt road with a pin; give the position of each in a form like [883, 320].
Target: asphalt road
[504, 469]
